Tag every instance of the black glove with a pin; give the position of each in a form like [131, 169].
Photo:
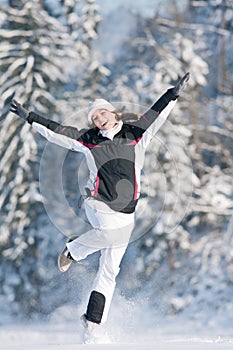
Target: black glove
[180, 85]
[18, 109]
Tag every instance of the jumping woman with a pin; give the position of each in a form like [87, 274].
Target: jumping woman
[114, 146]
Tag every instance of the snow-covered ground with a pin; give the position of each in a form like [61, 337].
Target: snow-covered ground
[130, 326]
[68, 337]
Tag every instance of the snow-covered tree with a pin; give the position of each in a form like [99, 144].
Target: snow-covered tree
[155, 58]
[34, 53]
[211, 120]
[96, 74]
[208, 124]
[82, 19]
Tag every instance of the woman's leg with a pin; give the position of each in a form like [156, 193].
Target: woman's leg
[105, 281]
[110, 234]
[79, 250]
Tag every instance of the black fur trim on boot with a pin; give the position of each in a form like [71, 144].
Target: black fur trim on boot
[95, 307]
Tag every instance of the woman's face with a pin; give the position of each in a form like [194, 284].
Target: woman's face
[104, 119]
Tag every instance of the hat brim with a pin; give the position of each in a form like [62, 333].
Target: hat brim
[92, 111]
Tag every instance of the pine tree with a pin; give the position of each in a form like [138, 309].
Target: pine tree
[206, 121]
[211, 122]
[96, 74]
[34, 53]
[82, 19]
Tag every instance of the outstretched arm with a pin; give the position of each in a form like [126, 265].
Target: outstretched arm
[151, 121]
[162, 103]
[171, 94]
[65, 136]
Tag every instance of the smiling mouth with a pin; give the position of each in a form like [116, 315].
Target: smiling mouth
[105, 123]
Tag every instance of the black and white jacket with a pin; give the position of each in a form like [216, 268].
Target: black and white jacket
[114, 164]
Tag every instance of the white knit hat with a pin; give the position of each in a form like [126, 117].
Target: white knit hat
[99, 103]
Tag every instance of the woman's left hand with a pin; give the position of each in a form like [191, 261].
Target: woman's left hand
[19, 110]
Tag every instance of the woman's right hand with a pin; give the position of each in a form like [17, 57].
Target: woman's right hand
[19, 110]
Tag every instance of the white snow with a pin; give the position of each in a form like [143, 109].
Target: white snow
[132, 324]
[67, 337]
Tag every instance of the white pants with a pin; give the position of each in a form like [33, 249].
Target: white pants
[110, 235]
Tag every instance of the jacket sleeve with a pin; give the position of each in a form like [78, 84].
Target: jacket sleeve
[65, 136]
[152, 120]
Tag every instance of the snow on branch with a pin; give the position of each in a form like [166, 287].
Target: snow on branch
[192, 26]
[9, 34]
